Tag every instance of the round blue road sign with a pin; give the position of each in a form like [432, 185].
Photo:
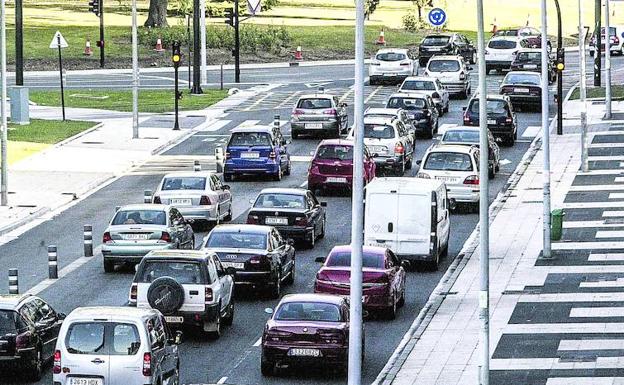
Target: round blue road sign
[437, 17]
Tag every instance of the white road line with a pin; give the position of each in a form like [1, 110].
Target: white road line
[593, 344]
[612, 284]
[587, 245]
[257, 102]
[612, 214]
[222, 380]
[621, 164]
[609, 234]
[606, 257]
[605, 158]
[552, 364]
[590, 205]
[584, 380]
[619, 179]
[300, 158]
[216, 126]
[572, 297]
[288, 99]
[602, 172]
[41, 286]
[372, 94]
[586, 224]
[346, 94]
[600, 133]
[616, 196]
[257, 343]
[597, 187]
[607, 311]
[209, 140]
[248, 123]
[605, 145]
[531, 131]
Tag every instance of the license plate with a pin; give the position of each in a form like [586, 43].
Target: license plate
[390, 74]
[276, 221]
[530, 66]
[447, 179]
[174, 320]
[314, 125]
[180, 202]
[491, 121]
[521, 90]
[336, 180]
[249, 155]
[236, 265]
[136, 237]
[377, 149]
[303, 352]
[85, 381]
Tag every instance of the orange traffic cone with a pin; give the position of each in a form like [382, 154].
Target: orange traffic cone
[88, 51]
[298, 54]
[159, 46]
[381, 40]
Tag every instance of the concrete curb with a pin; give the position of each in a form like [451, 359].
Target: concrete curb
[22, 221]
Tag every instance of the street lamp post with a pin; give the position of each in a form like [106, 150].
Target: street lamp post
[135, 73]
[3, 114]
[560, 67]
[196, 50]
[598, 41]
[607, 61]
[583, 89]
[546, 252]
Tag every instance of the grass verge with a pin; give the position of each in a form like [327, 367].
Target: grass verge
[617, 92]
[47, 131]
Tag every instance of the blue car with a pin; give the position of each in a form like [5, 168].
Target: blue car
[256, 150]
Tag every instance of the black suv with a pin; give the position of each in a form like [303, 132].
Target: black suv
[29, 328]
[446, 44]
[501, 118]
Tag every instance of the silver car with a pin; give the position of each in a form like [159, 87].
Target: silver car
[135, 230]
[199, 196]
[319, 113]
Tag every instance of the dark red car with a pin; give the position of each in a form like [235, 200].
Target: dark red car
[308, 329]
[383, 277]
[332, 166]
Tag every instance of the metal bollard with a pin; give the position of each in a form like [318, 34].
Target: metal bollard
[147, 196]
[196, 166]
[219, 159]
[87, 235]
[52, 262]
[276, 122]
[13, 282]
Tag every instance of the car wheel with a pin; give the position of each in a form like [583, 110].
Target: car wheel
[276, 287]
[288, 168]
[497, 167]
[473, 58]
[216, 333]
[267, 368]
[463, 95]
[229, 319]
[278, 175]
[36, 367]
[227, 177]
[109, 266]
[371, 82]
[511, 140]
[433, 265]
[322, 232]
[409, 164]
[400, 170]
[401, 301]
[392, 310]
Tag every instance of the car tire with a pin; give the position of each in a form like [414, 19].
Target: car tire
[216, 334]
[275, 290]
[109, 266]
[35, 370]
[487, 70]
[371, 82]
[228, 217]
[463, 95]
[267, 368]
[434, 264]
[491, 172]
[229, 319]
[409, 164]
[511, 140]
[473, 58]
[400, 170]
[401, 301]
[278, 175]
[312, 240]
[290, 280]
[227, 177]
[288, 168]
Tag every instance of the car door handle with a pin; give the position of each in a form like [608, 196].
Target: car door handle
[97, 361]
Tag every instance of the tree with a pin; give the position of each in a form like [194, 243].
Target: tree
[370, 6]
[157, 16]
[420, 4]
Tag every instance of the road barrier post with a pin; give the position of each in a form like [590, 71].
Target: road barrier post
[52, 262]
[276, 122]
[13, 281]
[219, 159]
[196, 166]
[147, 196]
[87, 235]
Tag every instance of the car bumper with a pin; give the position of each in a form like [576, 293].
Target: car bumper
[456, 87]
[329, 354]
[129, 253]
[525, 99]
[300, 126]
[207, 213]
[498, 64]
[387, 161]
[295, 232]
[500, 131]
[321, 181]
[253, 278]
[422, 125]
[238, 169]
[194, 318]
[372, 298]
[463, 194]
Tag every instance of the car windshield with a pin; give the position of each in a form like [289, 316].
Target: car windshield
[502, 44]
[183, 272]
[237, 240]
[448, 161]
[406, 103]
[529, 56]
[285, 201]
[308, 311]
[436, 40]
[184, 183]
[7, 321]
[520, 78]
[343, 259]
[140, 217]
[419, 85]
[250, 139]
[443, 66]
[461, 136]
[378, 131]
[335, 152]
[86, 338]
[493, 106]
[314, 103]
[390, 56]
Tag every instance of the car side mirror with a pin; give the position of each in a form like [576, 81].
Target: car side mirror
[323, 204]
[319, 259]
[230, 271]
[225, 187]
[405, 264]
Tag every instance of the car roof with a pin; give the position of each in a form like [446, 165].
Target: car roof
[438, 34]
[144, 206]
[312, 297]
[386, 121]
[367, 249]
[446, 57]
[491, 96]
[440, 147]
[178, 254]
[11, 301]
[259, 229]
[182, 174]
[319, 95]
[523, 73]
[389, 50]
[277, 190]
[463, 128]
[257, 128]
[410, 95]
[110, 313]
[387, 111]
[335, 142]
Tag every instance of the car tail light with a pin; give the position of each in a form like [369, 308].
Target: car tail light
[133, 292]
[332, 337]
[272, 155]
[277, 336]
[297, 111]
[330, 111]
[435, 95]
[472, 180]
[56, 369]
[399, 149]
[228, 155]
[22, 341]
[615, 40]
[147, 364]
[301, 221]
[208, 297]
[204, 200]
[508, 120]
[107, 237]
[165, 236]
[462, 76]
[377, 282]
[423, 175]
[156, 199]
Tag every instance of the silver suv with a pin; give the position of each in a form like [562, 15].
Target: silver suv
[319, 113]
[453, 73]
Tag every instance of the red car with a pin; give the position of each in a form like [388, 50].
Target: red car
[308, 329]
[332, 166]
[383, 277]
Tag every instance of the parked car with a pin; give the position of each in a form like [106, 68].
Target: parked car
[383, 277]
[259, 150]
[458, 168]
[530, 59]
[319, 113]
[261, 256]
[294, 212]
[391, 65]
[409, 216]
[199, 196]
[398, 113]
[446, 44]
[501, 118]
[524, 89]
[430, 86]
[389, 142]
[189, 287]
[308, 329]
[104, 345]
[29, 328]
[135, 230]
[332, 166]
[452, 72]
[616, 36]
[532, 36]
[501, 51]
[469, 136]
[421, 111]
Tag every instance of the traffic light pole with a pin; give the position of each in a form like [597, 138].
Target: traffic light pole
[598, 51]
[175, 57]
[19, 44]
[196, 48]
[101, 5]
[236, 44]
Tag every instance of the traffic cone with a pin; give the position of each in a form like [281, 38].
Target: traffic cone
[381, 40]
[298, 54]
[88, 51]
[159, 46]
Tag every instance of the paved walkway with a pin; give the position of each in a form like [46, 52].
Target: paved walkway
[553, 322]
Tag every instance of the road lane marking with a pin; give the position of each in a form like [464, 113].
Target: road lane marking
[222, 380]
[346, 94]
[616, 196]
[209, 140]
[531, 131]
[612, 214]
[257, 343]
[216, 126]
[257, 102]
[372, 94]
[610, 234]
[584, 380]
[288, 99]
[603, 311]
[592, 344]
[608, 187]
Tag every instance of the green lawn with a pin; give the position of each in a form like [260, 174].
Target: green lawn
[47, 131]
[149, 100]
[617, 92]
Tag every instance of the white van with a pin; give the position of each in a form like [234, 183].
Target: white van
[410, 216]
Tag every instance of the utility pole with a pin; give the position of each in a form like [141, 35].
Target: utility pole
[583, 89]
[196, 48]
[356, 328]
[101, 2]
[19, 44]
[202, 26]
[607, 61]
[237, 43]
[3, 113]
[598, 37]
[135, 73]
[546, 253]
[560, 67]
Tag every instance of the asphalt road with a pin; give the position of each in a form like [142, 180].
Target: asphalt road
[236, 356]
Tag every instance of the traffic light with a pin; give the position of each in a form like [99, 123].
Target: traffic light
[229, 16]
[560, 65]
[94, 6]
[176, 56]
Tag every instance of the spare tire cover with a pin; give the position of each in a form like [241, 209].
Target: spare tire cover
[165, 294]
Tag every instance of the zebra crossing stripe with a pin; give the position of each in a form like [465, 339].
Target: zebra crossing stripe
[257, 102]
[367, 100]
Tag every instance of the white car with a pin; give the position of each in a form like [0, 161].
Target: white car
[616, 33]
[452, 72]
[430, 86]
[399, 113]
[458, 167]
[501, 51]
[391, 65]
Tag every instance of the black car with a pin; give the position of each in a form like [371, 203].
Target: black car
[295, 213]
[523, 88]
[421, 111]
[261, 256]
[531, 60]
[501, 118]
[29, 328]
[446, 44]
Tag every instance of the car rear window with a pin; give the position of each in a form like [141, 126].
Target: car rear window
[184, 272]
[448, 161]
[436, 40]
[7, 321]
[335, 152]
[443, 66]
[419, 85]
[343, 259]
[406, 103]
[106, 338]
[493, 106]
[502, 44]
[237, 240]
[140, 217]
[308, 311]
[529, 56]
[507, 32]
[184, 183]
[286, 201]
[520, 78]
[459, 136]
[390, 56]
[314, 103]
[126, 340]
[378, 131]
[247, 139]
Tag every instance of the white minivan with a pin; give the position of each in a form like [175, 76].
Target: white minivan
[410, 216]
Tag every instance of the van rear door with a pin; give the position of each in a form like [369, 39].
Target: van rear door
[84, 353]
[413, 230]
[380, 226]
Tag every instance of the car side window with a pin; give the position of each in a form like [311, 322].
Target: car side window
[212, 272]
[176, 216]
[218, 266]
[336, 101]
[160, 334]
[29, 312]
[312, 199]
[389, 263]
[44, 310]
[275, 240]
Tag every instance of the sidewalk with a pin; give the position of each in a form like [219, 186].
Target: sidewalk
[552, 322]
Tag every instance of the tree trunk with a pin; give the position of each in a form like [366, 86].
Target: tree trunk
[419, 12]
[157, 16]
